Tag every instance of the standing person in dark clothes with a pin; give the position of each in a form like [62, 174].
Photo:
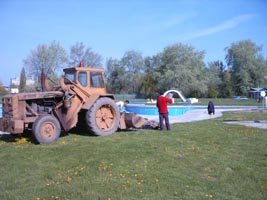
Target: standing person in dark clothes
[211, 109]
[162, 103]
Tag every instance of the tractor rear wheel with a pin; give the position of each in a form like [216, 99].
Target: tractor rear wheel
[46, 129]
[103, 117]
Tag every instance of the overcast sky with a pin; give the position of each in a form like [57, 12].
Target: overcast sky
[112, 27]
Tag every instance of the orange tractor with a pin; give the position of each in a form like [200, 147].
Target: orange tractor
[81, 100]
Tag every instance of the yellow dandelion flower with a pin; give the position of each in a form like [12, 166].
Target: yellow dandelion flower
[69, 179]
[209, 196]
[21, 140]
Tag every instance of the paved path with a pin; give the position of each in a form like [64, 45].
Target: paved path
[258, 124]
[190, 116]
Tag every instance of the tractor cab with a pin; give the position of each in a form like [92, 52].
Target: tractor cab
[89, 79]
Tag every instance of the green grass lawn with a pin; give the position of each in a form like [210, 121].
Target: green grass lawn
[200, 160]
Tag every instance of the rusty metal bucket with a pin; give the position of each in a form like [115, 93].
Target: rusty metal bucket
[133, 120]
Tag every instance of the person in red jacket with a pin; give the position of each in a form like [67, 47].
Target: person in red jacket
[162, 103]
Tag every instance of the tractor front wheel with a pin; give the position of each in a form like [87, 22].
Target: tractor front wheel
[103, 117]
[46, 129]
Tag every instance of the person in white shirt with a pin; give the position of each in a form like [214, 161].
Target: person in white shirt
[121, 105]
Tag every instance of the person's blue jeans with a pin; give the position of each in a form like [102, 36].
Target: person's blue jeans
[164, 117]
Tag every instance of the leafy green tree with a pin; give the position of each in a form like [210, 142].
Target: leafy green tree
[182, 67]
[220, 83]
[23, 79]
[247, 64]
[149, 81]
[226, 86]
[215, 75]
[116, 76]
[125, 75]
[79, 53]
[133, 63]
[243, 82]
[50, 58]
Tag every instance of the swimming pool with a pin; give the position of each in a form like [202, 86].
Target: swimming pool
[176, 110]
[144, 109]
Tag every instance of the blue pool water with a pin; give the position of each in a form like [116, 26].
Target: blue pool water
[143, 109]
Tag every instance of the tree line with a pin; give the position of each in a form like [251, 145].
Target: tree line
[179, 66]
[182, 67]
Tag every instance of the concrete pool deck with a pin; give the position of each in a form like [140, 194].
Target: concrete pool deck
[198, 115]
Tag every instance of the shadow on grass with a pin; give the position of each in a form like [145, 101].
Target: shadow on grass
[18, 138]
[78, 131]
[7, 138]
[27, 136]
[85, 132]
